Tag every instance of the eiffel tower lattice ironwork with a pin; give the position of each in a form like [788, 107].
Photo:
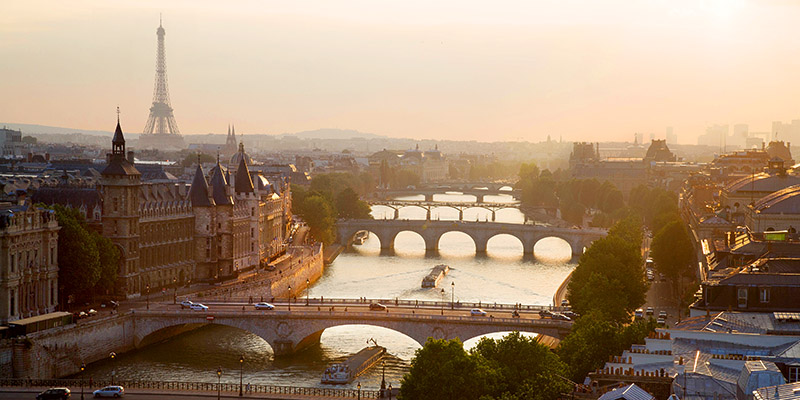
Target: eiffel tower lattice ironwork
[161, 120]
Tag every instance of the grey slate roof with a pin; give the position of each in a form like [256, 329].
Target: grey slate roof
[219, 185]
[243, 183]
[198, 193]
[630, 392]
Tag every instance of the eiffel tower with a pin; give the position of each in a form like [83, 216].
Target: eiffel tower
[161, 130]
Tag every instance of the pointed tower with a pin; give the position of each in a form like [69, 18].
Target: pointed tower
[230, 142]
[161, 130]
[243, 183]
[120, 184]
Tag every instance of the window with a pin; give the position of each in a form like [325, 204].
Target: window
[742, 296]
[116, 204]
[764, 295]
[794, 374]
[13, 262]
[11, 304]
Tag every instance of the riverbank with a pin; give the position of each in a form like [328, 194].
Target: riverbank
[561, 292]
[331, 252]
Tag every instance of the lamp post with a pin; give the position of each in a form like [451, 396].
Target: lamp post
[452, 295]
[241, 373]
[174, 290]
[390, 391]
[147, 293]
[219, 377]
[308, 289]
[359, 390]
[113, 371]
[83, 367]
[383, 379]
[443, 301]
[289, 298]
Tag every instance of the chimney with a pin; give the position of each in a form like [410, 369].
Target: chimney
[130, 156]
[29, 157]
[47, 157]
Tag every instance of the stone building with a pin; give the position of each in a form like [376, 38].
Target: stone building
[28, 262]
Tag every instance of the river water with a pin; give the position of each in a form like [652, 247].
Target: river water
[502, 275]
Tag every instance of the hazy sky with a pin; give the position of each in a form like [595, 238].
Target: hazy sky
[482, 70]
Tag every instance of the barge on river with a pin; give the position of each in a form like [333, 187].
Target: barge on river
[435, 276]
[354, 366]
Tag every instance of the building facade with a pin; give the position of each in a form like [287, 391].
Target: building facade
[28, 261]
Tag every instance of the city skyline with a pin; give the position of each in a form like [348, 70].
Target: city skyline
[513, 72]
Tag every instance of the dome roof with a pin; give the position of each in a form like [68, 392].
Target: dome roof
[236, 158]
[779, 149]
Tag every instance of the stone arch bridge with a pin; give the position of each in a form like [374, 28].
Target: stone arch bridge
[480, 232]
[290, 331]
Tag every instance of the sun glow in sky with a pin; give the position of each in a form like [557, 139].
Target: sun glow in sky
[479, 70]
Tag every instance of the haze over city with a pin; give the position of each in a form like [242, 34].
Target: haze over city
[464, 70]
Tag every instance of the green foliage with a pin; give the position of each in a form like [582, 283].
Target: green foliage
[78, 257]
[350, 206]
[573, 212]
[441, 369]
[657, 206]
[514, 367]
[191, 159]
[594, 338]
[493, 170]
[672, 250]
[404, 178]
[109, 263]
[609, 278]
[321, 218]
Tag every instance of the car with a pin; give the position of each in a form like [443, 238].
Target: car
[650, 311]
[186, 303]
[662, 314]
[198, 307]
[377, 307]
[110, 391]
[661, 321]
[571, 314]
[477, 312]
[545, 314]
[564, 303]
[639, 313]
[561, 317]
[54, 393]
[92, 312]
[263, 306]
[81, 315]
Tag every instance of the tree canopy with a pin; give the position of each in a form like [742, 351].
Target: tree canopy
[672, 250]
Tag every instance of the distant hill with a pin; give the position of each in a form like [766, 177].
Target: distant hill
[31, 129]
[333, 134]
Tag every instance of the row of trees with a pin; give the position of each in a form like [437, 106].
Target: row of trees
[330, 197]
[88, 262]
[397, 178]
[572, 196]
[514, 367]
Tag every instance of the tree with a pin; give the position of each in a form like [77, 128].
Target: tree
[349, 205]
[441, 369]
[109, 263]
[192, 159]
[320, 217]
[672, 250]
[527, 369]
[573, 212]
[78, 258]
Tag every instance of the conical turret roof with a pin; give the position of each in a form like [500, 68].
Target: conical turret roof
[118, 139]
[243, 183]
[219, 185]
[198, 193]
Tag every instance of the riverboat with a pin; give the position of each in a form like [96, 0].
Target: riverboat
[435, 276]
[354, 366]
[360, 237]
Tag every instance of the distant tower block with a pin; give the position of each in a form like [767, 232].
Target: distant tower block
[161, 130]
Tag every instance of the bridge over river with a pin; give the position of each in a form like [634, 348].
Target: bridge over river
[480, 232]
[460, 206]
[288, 328]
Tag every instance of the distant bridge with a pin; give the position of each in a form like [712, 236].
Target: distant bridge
[480, 232]
[479, 190]
[396, 205]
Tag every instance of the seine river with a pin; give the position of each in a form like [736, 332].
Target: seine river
[502, 275]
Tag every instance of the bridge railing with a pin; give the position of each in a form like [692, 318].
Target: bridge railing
[325, 301]
[91, 384]
[340, 313]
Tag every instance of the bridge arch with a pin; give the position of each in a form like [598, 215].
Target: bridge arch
[576, 244]
[393, 243]
[505, 235]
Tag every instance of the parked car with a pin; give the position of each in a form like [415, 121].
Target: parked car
[662, 314]
[561, 317]
[650, 311]
[377, 307]
[92, 312]
[81, 315]
[545, 314]
[110, 391]
[186, 303]
[263, 306]
[639, 313]
[198, 307]
[661, 321]
[571, 314]
[477, 312]
[54, 393]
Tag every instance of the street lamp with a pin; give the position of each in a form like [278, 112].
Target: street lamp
[390, 391]
[443, 301]
[308, 289]
[113, 372]
[453, 295]
[175, 290]
[359, 390]
[147, 293]
[241, 373]
[383, 379]
[289, 298]
[83, 367]
[219, 377]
